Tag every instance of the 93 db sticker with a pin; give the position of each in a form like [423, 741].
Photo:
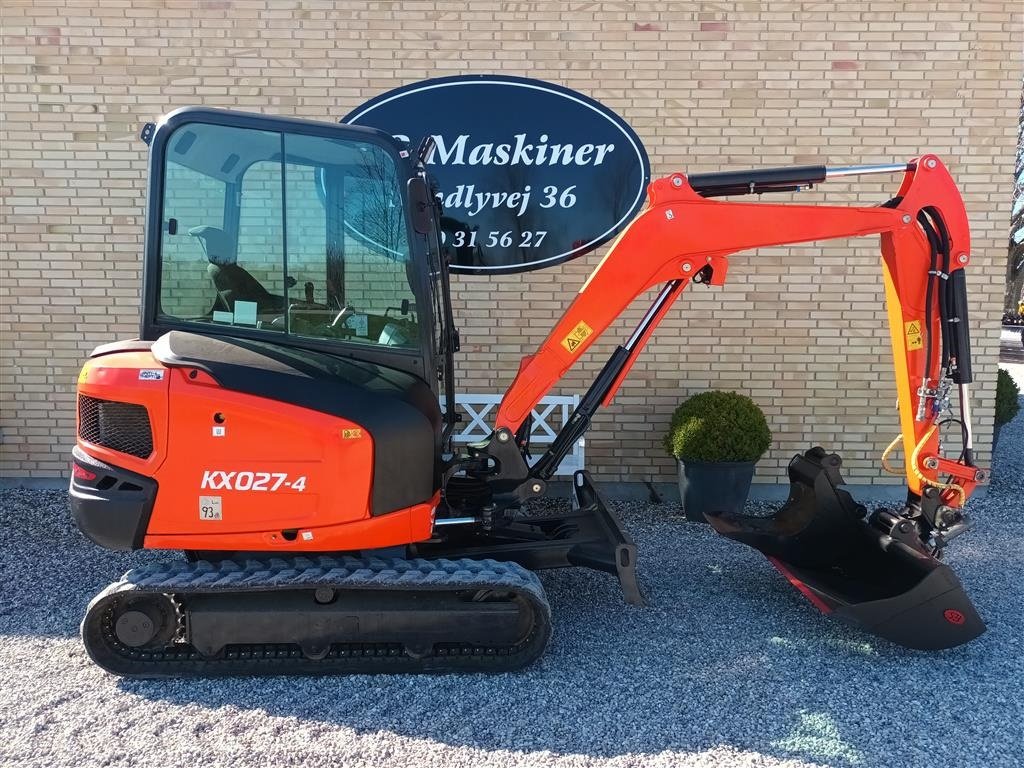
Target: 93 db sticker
[219, 480]
[209, 508]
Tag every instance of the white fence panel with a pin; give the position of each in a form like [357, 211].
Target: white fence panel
[551, 413]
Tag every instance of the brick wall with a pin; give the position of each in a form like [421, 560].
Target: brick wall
[707, 85]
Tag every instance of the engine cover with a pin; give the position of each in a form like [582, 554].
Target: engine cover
[256, 446]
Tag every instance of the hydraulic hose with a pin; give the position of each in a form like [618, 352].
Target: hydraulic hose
[888, 452]
[933, 242]
[943, 287]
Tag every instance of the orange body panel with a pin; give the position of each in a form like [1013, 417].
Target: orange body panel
[242, 473]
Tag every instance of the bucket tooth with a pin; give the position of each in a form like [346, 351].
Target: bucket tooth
[851, 569]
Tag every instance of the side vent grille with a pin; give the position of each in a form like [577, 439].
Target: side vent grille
[122, 427]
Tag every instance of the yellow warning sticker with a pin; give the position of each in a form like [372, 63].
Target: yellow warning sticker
[914, 338]
[575, 338]
[351, 434]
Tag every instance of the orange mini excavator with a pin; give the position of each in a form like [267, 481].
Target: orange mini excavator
[284, 417]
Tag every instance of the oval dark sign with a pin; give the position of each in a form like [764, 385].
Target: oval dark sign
[530, 174]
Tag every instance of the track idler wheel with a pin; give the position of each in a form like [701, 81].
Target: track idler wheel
[865, 573]
[145, 622]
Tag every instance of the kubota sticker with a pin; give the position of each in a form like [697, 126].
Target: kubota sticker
[953, 616]
[575, 338]
[151, 374]
[914, 336]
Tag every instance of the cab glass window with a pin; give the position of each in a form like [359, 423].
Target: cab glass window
[285, 233]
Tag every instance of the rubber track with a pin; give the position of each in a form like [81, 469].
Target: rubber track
[182, 578]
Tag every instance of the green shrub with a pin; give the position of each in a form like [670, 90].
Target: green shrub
[718, 426]
[1007, 393]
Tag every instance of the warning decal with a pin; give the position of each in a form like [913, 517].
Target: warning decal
[575, 338]
[914, 337]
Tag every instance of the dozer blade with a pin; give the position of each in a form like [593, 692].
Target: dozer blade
[850, 568]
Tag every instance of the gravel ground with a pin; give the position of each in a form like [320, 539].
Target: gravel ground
[727, 666]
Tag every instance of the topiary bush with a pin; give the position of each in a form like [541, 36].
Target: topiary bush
[718, 427]
[1007, 393]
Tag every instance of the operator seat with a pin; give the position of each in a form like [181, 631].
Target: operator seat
[232, 282]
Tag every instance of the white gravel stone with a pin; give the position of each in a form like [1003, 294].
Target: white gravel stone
[727, 666]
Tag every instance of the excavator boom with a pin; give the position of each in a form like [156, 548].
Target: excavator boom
[682, 237]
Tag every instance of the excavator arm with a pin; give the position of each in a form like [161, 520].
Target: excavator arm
[879, 571]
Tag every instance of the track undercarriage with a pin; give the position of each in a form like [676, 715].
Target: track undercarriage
[318, 616]
[462, 603]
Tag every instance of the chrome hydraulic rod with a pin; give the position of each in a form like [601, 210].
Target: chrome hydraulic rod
[579, 421]
[648, 318]
[965, 417]
[755, 181]
[864, 170]
[443, 521]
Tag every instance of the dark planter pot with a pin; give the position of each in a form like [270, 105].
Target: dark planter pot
[714, 487]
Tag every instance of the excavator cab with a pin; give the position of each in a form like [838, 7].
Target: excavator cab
[289, 232]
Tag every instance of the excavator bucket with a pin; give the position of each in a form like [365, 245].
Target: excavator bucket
[850, 568]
